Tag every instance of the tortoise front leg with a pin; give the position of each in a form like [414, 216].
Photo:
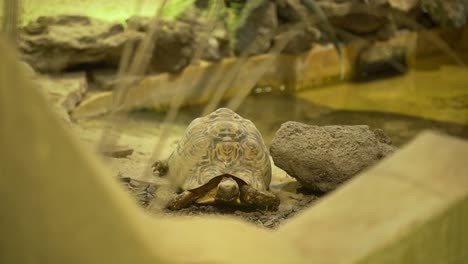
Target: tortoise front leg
[181, 200]
[251, 196]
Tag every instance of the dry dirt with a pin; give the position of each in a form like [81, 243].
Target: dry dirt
[292, 203]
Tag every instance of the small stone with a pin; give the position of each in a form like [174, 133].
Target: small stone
[117, 152]
[269, 223]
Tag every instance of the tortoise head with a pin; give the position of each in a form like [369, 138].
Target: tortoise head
[227, 190]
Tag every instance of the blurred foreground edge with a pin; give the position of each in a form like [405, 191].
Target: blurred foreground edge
[62, 205]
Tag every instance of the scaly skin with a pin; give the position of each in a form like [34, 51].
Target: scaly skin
[251, 196]
[227, 190]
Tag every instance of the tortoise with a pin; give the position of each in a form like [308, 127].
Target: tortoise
[221, 159]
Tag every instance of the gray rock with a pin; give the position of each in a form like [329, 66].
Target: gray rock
[323, 157]
[381, 60]
[119, 152]
[302, 41]
[290, 10]
[360, 24]
[354, 15]
[174, 45]
[217, 47]
[292, 13]
[213, 39]
[53, 44]
[404, 5]
[349, 15]
[256, 28]
[447, 12]
[138, 23]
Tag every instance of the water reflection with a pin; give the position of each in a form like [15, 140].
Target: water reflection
[269, 111]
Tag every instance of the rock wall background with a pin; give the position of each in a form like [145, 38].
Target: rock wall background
[115, 10]
[55, 43]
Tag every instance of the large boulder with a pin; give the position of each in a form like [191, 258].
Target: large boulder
[59, 43]
[323, 157]
[54, 44]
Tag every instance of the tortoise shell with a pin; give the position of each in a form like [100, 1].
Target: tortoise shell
[218, 144]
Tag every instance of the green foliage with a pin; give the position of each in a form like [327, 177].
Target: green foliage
[233, 14]
[239, 12]
[174, 8]
[216, 9]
